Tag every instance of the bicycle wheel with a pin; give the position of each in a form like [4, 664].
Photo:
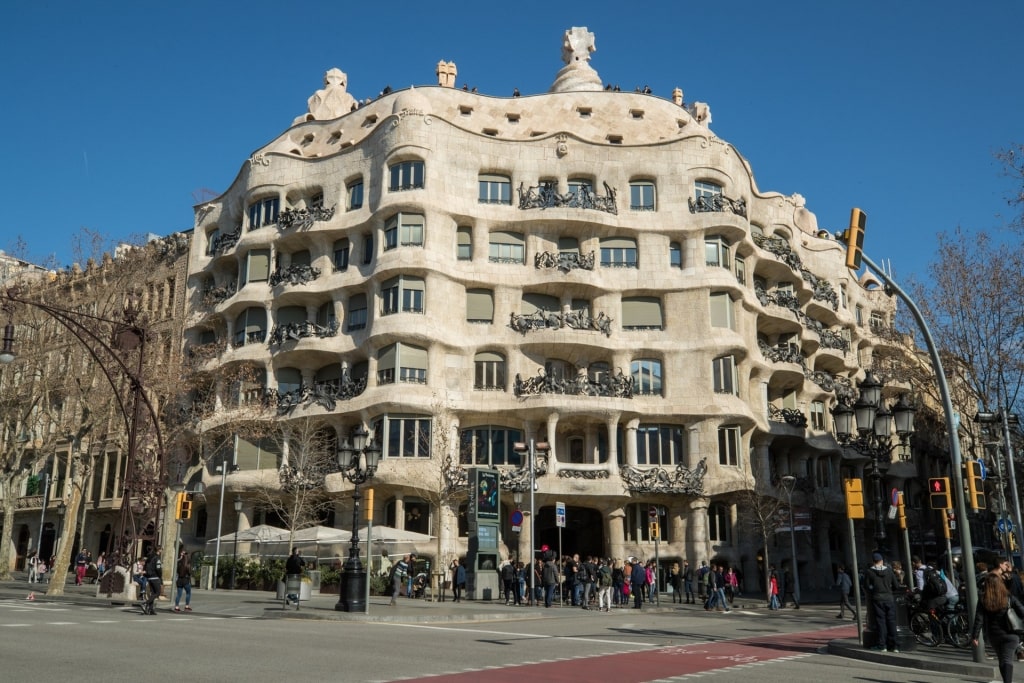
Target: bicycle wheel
[924, 630]
[958, 631]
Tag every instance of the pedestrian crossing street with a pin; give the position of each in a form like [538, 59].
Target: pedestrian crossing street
[27, 613]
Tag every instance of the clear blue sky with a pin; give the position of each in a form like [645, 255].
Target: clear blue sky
[116, 113]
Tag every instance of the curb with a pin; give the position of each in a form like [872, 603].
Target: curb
[852, 649]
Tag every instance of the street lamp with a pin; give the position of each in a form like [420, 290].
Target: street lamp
[234, 557]
[788, 484]
[867, 428]
[223, 469]
[531, 449]
[358, 462]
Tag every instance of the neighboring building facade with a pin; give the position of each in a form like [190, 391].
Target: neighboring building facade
[590, 269]
[50, 359]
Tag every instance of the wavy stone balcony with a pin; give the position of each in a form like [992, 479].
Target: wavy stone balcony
[545, 196]
[658, 480]
[611, 386]
[298, 274]
[718, 203]
[564, 261]
[295, 331]
[548, 320]
[325, 394]
[822, 290]
[303, 219]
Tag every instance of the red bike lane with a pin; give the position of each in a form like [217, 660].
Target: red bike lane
[663, 662]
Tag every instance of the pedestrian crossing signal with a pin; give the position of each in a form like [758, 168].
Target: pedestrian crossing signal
[938, 493]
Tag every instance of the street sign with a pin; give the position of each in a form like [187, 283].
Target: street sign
[984, 470]
[652, 513]
[892, 512]
[895, 495]
[1004, 525]
[516, 518]
[560, 515]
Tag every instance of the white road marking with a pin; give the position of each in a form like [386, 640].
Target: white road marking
[512, 634]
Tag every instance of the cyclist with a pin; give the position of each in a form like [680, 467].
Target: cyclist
[929, 584]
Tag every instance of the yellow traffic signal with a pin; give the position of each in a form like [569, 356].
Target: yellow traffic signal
[369, 505]
[854, 238]
[938, 493]
[975, 485]
[902, 510]
[946, 524]
[854, 498]
[654, 531]
[182, 506]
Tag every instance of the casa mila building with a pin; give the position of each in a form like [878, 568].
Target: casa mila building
[591, 271]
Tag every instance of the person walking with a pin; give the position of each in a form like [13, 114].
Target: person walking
[604, 585]
[732, 586]
[549, 579]
[688, 582]
[81, 564]
[773, 589]
[293, 568]
[184, 581]
[460, 580]
[994, 602]
[33, 563]
[880, 582]
[638, 577]
[675, 581]
[399, 573]
[844, 585]
[154, 579]
[508, 577]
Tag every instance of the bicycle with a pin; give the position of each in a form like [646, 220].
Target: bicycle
[933, 627]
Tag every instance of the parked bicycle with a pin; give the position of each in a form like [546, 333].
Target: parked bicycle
[933, 627]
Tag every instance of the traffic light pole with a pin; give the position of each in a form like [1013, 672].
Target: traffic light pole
[966, 546]
[1019, 528]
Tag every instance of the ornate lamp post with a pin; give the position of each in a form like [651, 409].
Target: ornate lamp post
[358, 462]
[234, 557]
[789, 483]
[867, 428]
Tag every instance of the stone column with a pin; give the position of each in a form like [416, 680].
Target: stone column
[612, 464]
[630, 441]
[616, 530]
[697, 546]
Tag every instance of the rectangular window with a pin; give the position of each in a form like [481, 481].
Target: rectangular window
[646, 377]
[341, 249]
[675, 255]
[357, 312]
[479, 306]
[741, 270]
[257, 266]
[407, 175]
[717, 253]
[722, 311]
[411, 230]
[818, 415]
[405, 436]
[641, 313]
[464, 244]
[263, 212]
[489, 371]
[724, 373]
[729, 446]
[618, 252]
[659, 445]
[355, 195]
[641, 196]
[367, 248]
[495, 189]
[507, 247]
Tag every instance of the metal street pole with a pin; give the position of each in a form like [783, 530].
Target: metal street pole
[42, 515]
[956, 460]
[789, 482]
[220, 519]
[533, 527]
[1019, 527]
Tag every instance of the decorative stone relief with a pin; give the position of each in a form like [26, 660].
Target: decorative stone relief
[331, 101]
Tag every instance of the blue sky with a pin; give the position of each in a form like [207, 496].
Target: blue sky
[118, 113]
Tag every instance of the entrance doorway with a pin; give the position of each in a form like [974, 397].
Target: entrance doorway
[583, 532]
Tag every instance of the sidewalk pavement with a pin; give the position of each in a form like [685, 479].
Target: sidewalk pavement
[264, 605]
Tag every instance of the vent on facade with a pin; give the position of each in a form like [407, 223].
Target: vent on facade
[512, 118]
[465, 111]
[491, 131]
[297, 151]
[335, 136]
[614, 139]
[370, 120]
[681, 123]
[585, 112]
[636, 113]
[538, 133]
[347, 143]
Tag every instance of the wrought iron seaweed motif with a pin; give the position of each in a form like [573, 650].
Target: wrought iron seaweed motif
[658, 480]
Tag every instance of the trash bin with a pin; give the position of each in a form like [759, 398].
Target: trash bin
[293, 586]
[905, 639]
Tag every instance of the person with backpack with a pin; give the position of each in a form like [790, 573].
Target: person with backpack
[508, 577]
[702, 580]
[589, 577]
[929, 584]
[604, 585]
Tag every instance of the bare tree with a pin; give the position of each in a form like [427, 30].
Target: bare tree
[760, 507]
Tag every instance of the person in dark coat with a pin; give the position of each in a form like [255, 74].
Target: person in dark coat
[638, 579]
[881, 586]
[994, 602]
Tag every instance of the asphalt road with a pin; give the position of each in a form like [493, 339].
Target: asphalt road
[62, 640]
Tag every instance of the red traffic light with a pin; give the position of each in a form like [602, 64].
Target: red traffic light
[938, 485]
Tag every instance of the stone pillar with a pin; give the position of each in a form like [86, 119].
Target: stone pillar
[677, 97]
[612, 464]
[697, 546]
[630, 441]
[616, 530]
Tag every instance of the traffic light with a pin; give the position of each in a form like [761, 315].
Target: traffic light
[902, 510]
[182, 506]
[654, 531]
[938, 493]
[854, 238]
[854, 498]
[947, 524]
[975, 485]
[369, 505]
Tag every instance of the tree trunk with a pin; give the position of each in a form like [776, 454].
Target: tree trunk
[59, 572]
[7, 538]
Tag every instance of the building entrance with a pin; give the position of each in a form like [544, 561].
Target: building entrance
[583, 532]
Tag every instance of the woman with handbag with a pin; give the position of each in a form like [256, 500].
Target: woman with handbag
[184, 581]
[1000, 614]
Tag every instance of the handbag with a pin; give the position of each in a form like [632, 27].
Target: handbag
[182, 581]
[1014, 620]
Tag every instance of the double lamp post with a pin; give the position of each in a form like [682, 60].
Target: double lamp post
[358, 462]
